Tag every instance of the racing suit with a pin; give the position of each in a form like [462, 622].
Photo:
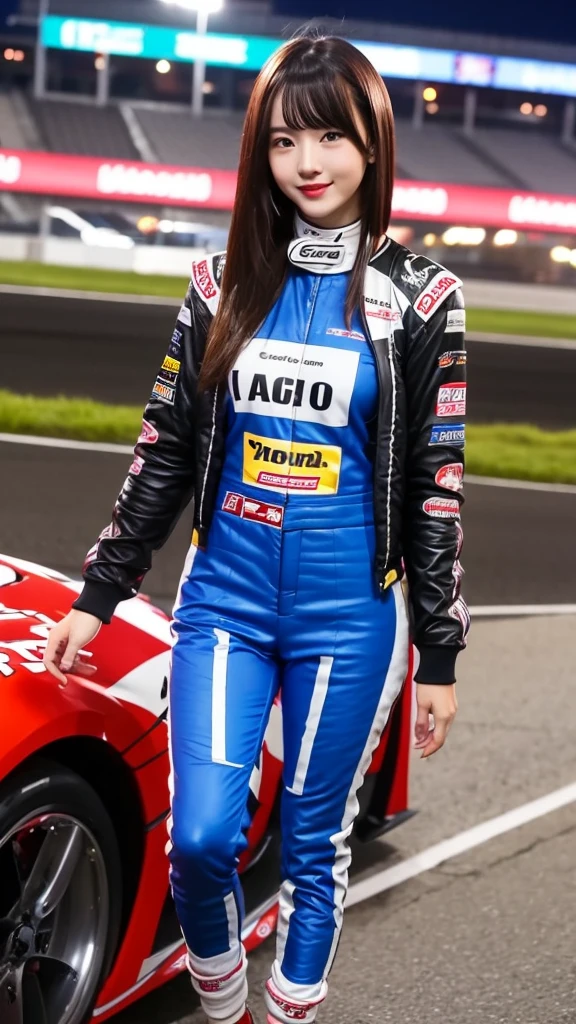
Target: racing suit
[279, 594]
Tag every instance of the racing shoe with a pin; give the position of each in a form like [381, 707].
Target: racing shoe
[246, 1018]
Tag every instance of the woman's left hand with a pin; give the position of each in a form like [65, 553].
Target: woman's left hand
[440, 703]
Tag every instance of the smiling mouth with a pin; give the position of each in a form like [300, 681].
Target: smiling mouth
[314, 188]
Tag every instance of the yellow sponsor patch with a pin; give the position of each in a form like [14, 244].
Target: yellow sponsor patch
[289, 466]
[171, 364]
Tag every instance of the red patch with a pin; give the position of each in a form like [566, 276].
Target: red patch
[148, 435]
[432, 296]
[451, 400]
[451, 476]
[442, 508]
[203, 279]
[250, 508]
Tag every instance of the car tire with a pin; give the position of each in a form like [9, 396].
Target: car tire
[61, 894]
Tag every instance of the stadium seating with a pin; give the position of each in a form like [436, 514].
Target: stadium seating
[87, 131]
[439, 153]
[536, 157]
[177, 138]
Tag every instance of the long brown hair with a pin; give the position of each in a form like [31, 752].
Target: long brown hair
[321, 79]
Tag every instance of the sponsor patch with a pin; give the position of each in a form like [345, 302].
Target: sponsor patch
[442, 508]
[455, 435]
[164, 392]
[148, 434]
[286, 466]
[456, 358]
[439, 288]
[303, 253]
[455, 321]
[346, 334]
[256, 511]
[203, 279]
[451, 400]
[185, 317]
[171, 364]
[392, 315]
[289, 380]
[451, 476]
[136, 467]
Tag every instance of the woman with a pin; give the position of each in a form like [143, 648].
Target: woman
[311, 404]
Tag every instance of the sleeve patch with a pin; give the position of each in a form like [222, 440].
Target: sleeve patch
[439, 288]
[185, 316]
[456, 321]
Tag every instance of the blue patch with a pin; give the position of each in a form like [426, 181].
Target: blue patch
[175, 343]
[455, 435]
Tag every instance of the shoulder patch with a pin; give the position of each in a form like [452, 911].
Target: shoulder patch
[436, 291]
[206, 275]
[424, 283]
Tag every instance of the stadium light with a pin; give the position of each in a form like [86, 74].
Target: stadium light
[203, 8]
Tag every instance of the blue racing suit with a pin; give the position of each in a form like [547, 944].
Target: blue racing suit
[283, 598]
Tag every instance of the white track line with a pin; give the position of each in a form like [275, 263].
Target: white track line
[124, 449]
[507, 611]
[69, 293]
[62, 442]
[459, 844]
[522, 339]
[522, 485]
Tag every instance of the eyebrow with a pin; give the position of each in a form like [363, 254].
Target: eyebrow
[282, 128]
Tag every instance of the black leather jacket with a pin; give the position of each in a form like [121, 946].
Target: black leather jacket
[414, 317]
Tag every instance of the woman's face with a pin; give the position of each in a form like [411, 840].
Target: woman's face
[320, 170]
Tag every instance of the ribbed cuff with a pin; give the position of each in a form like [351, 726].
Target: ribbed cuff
[99, 599]
[437, 665]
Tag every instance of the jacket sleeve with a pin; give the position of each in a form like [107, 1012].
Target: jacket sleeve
[159, 484]
[435, 373]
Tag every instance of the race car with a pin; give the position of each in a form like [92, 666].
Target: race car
[87, 922]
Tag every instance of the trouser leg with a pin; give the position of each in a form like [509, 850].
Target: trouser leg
[221, 691]
[335, 707]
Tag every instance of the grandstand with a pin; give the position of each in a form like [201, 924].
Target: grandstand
[488, 138]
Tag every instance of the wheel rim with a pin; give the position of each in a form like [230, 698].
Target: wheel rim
[53, 919]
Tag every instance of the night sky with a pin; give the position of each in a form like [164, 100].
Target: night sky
[553, 20]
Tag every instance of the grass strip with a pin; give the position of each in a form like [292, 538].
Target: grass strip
[516, 451]
[40, 275]
[88, 279]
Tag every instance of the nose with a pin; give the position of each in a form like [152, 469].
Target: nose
[309, 160]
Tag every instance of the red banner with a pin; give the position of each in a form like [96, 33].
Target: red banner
[53, 174]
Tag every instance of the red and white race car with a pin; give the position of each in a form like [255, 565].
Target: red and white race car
[87, 923]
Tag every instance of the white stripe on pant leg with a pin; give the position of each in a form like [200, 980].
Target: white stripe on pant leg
[186, 571]
[312, 723]
[392, 686]
[219, 682]
[285, 911]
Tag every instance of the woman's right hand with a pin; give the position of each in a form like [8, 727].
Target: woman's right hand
[65, 640]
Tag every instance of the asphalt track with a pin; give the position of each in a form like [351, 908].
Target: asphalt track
[111, 352]
[488, 936]
[519, 544]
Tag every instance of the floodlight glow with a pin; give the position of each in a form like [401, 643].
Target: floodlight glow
[205, 6]
[560, 254]
[506, 236]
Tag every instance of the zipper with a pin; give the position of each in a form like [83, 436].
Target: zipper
[382, 580]
[205, 481]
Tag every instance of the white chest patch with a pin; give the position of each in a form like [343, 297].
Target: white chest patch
[290, 380]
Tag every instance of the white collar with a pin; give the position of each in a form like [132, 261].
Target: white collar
[324, 250]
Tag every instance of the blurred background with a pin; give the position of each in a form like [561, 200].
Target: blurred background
[120, 123]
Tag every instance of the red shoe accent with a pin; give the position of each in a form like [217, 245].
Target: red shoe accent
[246, 1018]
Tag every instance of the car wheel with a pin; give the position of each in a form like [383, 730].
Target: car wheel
[60, 896]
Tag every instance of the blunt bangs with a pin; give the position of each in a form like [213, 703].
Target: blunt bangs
[315, 97]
